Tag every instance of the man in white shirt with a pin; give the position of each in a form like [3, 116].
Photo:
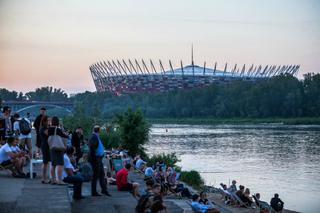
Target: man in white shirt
[24, 137]
[68, 175]
[11, 159]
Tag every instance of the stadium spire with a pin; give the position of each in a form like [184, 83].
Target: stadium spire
[192, 62]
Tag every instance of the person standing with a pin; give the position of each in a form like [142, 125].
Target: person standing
[77, 140]
[96, 155]
[6, 120]
[56, 155]
[22, 129]
[37, 125]
[46, 157]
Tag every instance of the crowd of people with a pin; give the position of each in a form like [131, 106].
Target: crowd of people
[161, 181]
[241, 196]
[80, 159]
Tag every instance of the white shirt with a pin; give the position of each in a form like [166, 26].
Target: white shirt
[66, 165]
[16, 127]
[15, 149]
[4, 150]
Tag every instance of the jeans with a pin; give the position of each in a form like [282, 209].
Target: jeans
[77, 184]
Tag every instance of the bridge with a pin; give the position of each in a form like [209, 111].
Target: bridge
[19, 106]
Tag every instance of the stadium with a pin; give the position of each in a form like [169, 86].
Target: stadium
[132, 76]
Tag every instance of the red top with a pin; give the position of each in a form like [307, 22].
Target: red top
[122, 178]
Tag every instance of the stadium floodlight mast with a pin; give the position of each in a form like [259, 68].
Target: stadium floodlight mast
[145, 66]
[107, 69]
[138, 66]
[182, 71]
[243, 70]
[131, 65]
[233, 70]
[127, 67]
[103, 76]
[225, 69]
[116, 67]
[122, 68]
[152, 67]
[163, 71]
[170, 64]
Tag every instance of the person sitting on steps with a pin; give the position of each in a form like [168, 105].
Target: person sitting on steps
[69, 176]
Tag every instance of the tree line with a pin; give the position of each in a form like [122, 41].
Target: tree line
[280, 96]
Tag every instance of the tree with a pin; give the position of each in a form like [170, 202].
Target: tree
[133, 130]
[7, 95]
[47, 94]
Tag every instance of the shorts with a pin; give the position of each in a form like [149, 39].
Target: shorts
[57, 158]
[46, 155]
[6, 163]
[128, 187]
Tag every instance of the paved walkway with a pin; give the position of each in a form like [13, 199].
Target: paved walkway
[30, 196]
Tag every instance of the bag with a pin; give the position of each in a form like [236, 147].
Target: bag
[24, 126]
[140, 208]
[86, 172]
[56, 143]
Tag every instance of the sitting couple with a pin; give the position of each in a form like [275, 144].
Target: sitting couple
[12, 158]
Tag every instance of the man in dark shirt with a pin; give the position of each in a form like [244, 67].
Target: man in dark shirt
[77, 140]
[240, 192]
[276, 203]
[37, 125]
[96, 155]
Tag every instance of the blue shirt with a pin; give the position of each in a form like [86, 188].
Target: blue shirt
[199, 207]
[100, 149]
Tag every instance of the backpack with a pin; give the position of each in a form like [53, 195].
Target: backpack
[24, 126]
[140, 208]
[86, 172]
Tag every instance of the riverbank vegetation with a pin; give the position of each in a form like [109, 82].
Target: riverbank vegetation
[280, 99]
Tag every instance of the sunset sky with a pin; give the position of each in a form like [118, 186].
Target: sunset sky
[52, 43]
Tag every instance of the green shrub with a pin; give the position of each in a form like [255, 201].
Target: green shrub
[133, 131]
[192, 178]
[110, 137]
[169, 159]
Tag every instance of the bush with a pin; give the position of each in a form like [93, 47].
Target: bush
[110, 137]
[133, 131]
[192, 178]
[169, 159]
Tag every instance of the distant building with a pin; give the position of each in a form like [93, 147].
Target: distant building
[120, 77]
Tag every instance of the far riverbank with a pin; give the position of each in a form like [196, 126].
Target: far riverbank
[237, 121]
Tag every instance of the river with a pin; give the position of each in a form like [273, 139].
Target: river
[265, 158]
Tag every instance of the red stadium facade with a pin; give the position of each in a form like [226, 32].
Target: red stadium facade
[120, 77]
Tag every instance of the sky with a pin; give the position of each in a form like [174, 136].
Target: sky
[53, 43]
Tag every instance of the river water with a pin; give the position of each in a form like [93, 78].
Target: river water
[265, 158]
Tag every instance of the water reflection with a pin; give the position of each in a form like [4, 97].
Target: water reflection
[265, 158]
